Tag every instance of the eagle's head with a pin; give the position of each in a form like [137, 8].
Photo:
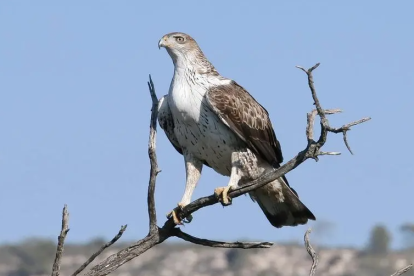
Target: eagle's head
[185, 53]
[178, 42]
[181, 47]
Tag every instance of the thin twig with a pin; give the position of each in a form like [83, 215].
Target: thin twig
[61, 241]
[329, 153]
[311, 121]
[346, 142]
[325, 127]
[153, 159]
[345, 128]
[113, 262]
[321, 113]
[311, 252]
[315, 258]
[97, 253]
[402, 270]
[308, 72]
[243, 245]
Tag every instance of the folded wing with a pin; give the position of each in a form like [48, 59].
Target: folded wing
[247, 118]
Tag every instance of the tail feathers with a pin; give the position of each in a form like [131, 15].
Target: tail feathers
[281, 204]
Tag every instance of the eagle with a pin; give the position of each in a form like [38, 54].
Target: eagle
[213, 121]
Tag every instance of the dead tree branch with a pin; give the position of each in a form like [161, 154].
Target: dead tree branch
[311, 121]
[243, 245]
[153, 159]
[61, 241]
[315, 258]
[157, 235]
[402, 270]
[97, 253]
[311, 252]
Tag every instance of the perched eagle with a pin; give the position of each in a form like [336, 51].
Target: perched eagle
[211, 120]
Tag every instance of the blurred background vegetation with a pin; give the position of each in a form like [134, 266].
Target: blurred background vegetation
[34, 256]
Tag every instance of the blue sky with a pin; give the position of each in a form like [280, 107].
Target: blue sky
[74, 112]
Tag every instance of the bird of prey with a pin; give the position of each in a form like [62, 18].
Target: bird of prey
[213, 121]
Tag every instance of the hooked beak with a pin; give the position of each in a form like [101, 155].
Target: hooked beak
[162, 42]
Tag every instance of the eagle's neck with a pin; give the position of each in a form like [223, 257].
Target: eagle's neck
[191, 81]
[194, 61]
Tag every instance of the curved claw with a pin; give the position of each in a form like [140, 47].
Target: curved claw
[175, 214]
[175, 217]
[222, 195]
[188, 219]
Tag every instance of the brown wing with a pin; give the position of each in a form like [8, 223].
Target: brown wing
[247, 118]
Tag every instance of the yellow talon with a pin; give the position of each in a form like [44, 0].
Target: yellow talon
[222, 195]
[175, 214]
[175, 217]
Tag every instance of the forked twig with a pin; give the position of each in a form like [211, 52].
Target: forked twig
[97, 253]
[325, 127]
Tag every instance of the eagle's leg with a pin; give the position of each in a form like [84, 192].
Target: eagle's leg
[193, 167]
[235, 176]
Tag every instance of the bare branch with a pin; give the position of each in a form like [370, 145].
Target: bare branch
[313, 91]
[153, 159]
[243, 245]
[329, 153]
[402, 270]
[345, 128]
[311, 121]
[97, 253]
[346, 142]
[322, 114]
[315, 258]
[61, 241]
[125, 255]
[363, 120]
[311, 252]
[310, 69]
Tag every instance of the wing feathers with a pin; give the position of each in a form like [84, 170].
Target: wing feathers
[247, 118]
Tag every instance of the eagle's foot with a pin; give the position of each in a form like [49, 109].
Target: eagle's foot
[176, 215]
[173, 214]
[222, 195]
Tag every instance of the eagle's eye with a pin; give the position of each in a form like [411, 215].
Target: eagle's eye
[179, 39]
